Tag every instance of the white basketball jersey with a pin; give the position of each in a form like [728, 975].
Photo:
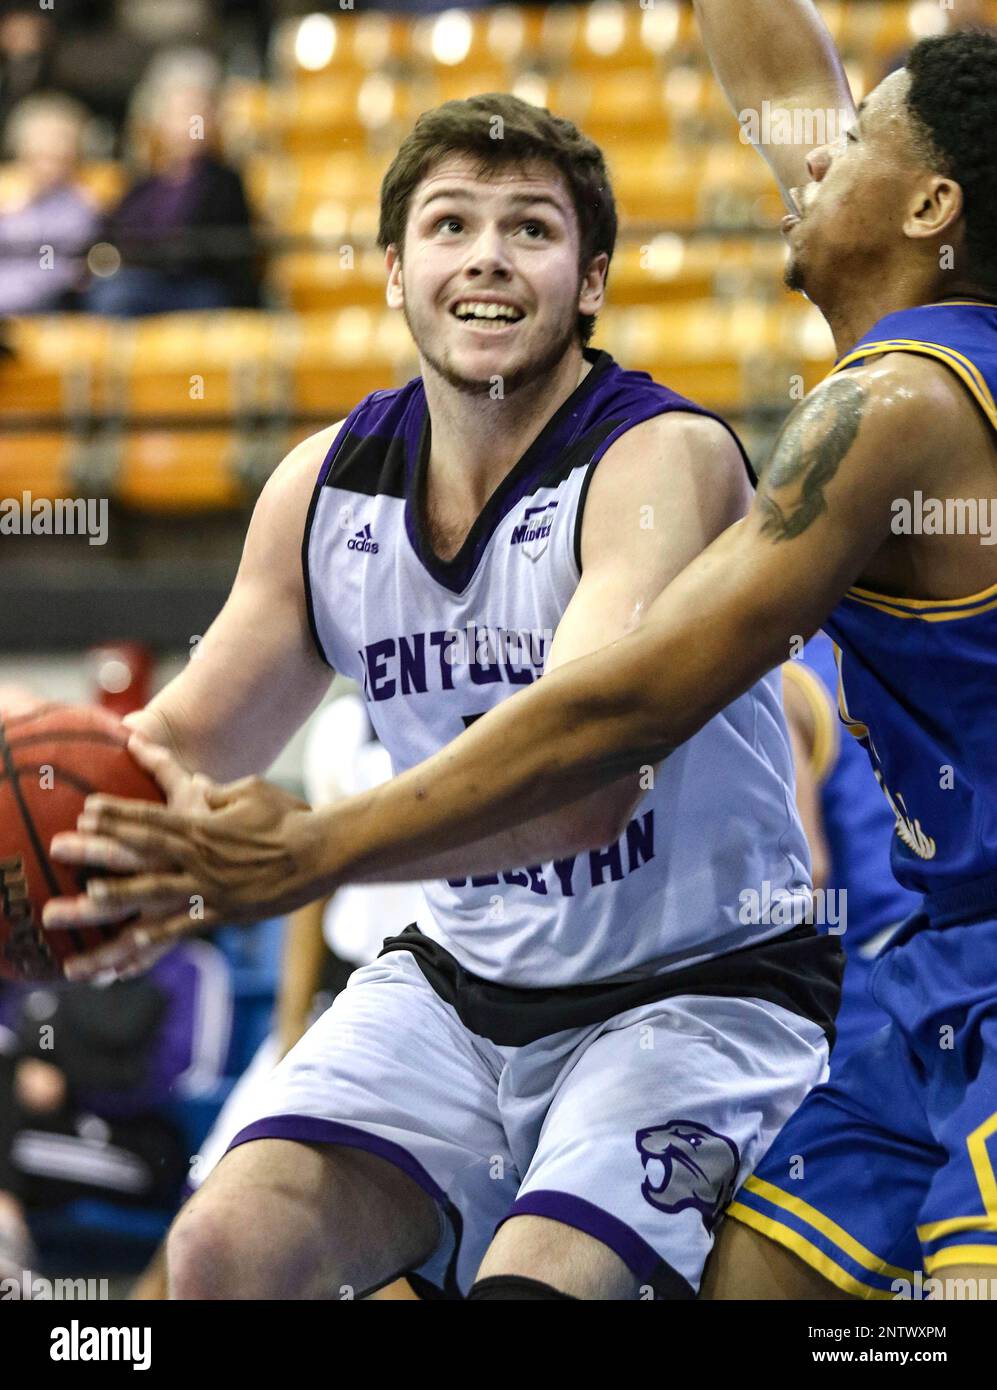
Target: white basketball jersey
[435, 644]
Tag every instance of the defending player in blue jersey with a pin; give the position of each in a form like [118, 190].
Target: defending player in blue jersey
[850, 828]
[891, 1165]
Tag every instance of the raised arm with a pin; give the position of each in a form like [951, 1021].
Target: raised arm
[778, 52]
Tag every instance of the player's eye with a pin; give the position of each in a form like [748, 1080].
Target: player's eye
[448, 223]
[534, 227]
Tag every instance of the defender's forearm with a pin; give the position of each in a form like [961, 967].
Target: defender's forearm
[590, 823]
[781, 53]
[582, 727]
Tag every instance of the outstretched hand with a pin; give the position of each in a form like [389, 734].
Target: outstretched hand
[214, 853]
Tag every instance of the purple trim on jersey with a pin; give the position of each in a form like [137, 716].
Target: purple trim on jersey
[308, 1129]
[607, 394]
[572, 419]
[639, 1257]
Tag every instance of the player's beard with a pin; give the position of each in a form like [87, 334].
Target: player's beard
[533, 370]
[794, 276]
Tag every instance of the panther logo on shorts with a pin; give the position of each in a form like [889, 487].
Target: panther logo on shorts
[694, 1167]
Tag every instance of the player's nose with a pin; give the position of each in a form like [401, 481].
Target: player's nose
[819, 161]
[489, 253]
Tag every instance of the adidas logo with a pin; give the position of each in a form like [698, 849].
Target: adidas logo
[363, 540]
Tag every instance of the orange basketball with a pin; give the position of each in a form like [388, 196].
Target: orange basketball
[51, 758]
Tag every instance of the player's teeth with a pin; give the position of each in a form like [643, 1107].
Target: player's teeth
[486, 311]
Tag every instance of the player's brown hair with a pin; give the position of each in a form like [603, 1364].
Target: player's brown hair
[499, 129]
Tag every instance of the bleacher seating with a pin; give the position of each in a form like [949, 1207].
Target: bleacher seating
[176, 405]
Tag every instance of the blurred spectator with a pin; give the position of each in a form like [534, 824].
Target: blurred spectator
[27, 48]
[183, 232]
[86, 1075]
[50, 222]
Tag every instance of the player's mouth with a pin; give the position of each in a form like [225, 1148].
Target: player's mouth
[492, 316]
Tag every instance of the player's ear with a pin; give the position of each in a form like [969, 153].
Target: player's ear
[934, 208]
[393, 265]
[593, 289]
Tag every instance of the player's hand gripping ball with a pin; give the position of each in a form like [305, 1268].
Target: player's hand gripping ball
[51, 758]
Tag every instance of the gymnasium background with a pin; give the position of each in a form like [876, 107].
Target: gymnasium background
[159, 355]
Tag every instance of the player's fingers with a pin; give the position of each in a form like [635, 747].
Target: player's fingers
[101, 814]
[135, 950]
[154, 846]
[144, 961]
[159, 762]
[61, 914]
[127, 955]
[96, 851]
[154, 893]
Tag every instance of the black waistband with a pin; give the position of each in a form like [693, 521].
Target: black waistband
[800, 970]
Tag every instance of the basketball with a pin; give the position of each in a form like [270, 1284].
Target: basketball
[51, 759]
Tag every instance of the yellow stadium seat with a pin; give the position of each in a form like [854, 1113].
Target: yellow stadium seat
[514, 32]
[36, 462]
[190, 365]
[327, 362]
[246, 113]
[625, 104]
[330, 279]
[883, 27]
[58, 365]
[34, 388]
[459, 83]
[656, 184]
[178, 471]
[609, 33]
[731, 357]
[320, 194]
[320, 47]
[320, 117]
[669, 268]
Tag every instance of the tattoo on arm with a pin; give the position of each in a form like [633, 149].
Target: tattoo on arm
[815, 439]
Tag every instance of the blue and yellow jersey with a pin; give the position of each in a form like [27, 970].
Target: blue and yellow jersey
[918, 677]
[856, 817]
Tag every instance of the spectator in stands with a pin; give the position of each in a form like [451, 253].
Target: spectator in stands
[183, 231]
[27, 41]
[50, 221]
[86, 1077]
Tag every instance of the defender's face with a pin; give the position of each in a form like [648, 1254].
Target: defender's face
[852, 212]
[489, 279]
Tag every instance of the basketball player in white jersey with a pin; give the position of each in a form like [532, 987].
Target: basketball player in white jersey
[551, 1086]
